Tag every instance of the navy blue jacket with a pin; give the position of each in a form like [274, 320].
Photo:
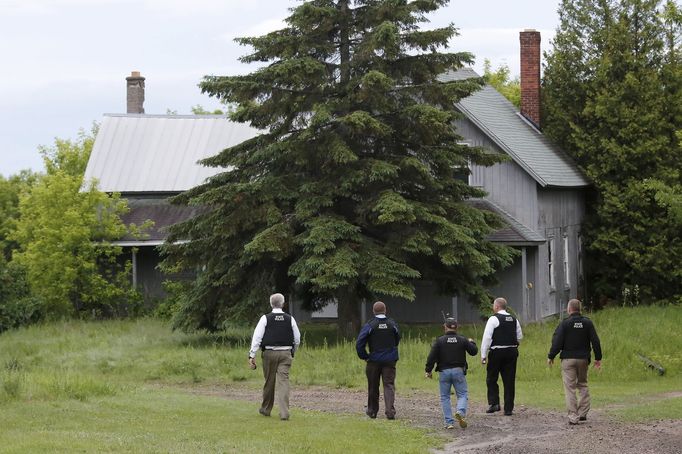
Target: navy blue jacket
[388, 350]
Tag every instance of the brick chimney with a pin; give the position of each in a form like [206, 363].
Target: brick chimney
[135, 93]
[530, 75]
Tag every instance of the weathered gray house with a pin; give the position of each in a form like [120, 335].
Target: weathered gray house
[539, 192]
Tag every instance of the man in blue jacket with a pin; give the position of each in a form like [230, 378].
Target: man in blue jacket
[382, 335]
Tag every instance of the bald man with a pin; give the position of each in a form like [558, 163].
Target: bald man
[383, 337]
[499, 350]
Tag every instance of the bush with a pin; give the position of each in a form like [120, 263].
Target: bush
[17, 306]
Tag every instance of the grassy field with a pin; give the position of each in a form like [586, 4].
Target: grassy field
[95, 386]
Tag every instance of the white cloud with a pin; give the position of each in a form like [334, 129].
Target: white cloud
[499, 45]
[41, 7]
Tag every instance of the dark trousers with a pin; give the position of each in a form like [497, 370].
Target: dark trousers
[386, 373]
[502, 361]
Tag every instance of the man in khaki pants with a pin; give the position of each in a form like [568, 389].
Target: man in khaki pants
[277, 335]
[573, 338]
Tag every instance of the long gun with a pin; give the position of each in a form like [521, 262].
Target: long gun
[651, 364]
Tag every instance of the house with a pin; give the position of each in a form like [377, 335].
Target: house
[539, 192]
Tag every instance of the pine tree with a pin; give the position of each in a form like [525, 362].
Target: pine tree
[576, 48]
[350, 192]
[621, 126]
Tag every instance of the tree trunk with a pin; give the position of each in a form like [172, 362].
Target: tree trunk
[349, 314]
[344, 44]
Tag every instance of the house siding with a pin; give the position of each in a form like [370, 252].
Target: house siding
[507, 184]
[561, 215]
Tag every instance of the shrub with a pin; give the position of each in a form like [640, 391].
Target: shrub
[17, 306]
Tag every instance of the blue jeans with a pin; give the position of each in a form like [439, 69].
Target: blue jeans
[448, 378]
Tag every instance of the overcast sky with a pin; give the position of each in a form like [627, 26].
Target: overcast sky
[64, 62]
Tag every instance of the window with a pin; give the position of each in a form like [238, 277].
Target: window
[463, 172]
[550, 261]
[567, 273]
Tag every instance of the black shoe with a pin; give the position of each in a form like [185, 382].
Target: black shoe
[263, 412]
[582, 418]
[390, 417]
[507, 413]
[373, 416]
[493, 408]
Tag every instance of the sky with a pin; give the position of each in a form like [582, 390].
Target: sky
[64, 62]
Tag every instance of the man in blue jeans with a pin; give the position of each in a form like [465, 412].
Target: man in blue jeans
[448, 354]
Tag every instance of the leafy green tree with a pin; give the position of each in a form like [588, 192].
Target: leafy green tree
[11, 190]
[501, 80]
[350, 192]
[17, 306]
[612, 92]
[63, 231]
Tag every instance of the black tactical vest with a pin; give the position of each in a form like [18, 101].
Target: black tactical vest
[451, 351]
[505, 334]
[278, 331]
[382, 334]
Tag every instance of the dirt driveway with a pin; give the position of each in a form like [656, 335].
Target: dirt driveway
[529, 430]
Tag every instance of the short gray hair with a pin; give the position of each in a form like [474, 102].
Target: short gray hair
[573, 306]
[277, 300]
[501, 303]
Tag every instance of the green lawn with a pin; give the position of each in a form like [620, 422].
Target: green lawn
[166, 421]
[86, 385]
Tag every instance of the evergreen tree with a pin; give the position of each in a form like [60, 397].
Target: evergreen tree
[350, 192]
[619, 115]
[576, 48]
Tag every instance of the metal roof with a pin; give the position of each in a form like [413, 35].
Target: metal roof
[513, 231]
[501, 121]
[159, 153]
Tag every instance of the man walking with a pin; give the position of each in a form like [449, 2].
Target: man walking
[573, 338]
[448, 353]
[277, 335]
[499, 349]
[383, 337]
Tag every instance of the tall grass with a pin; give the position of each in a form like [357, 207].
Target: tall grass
[79, 360]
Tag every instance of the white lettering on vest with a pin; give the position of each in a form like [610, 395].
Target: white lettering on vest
[509, 319]
[578, 325]
[383, 326]
[452, 340]
[279, 318]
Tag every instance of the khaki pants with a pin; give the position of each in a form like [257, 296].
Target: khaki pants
[574, 374]
[276, 364]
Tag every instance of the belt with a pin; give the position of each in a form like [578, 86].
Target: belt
[278, 347]
[503, 346]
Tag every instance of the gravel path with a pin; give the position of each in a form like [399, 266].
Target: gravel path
[529, 430]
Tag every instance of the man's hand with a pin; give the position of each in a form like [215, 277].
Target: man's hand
[252, 363]
[550, 362]
[471, 340]
[597, 364]
[484, 360]
[428, 375]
